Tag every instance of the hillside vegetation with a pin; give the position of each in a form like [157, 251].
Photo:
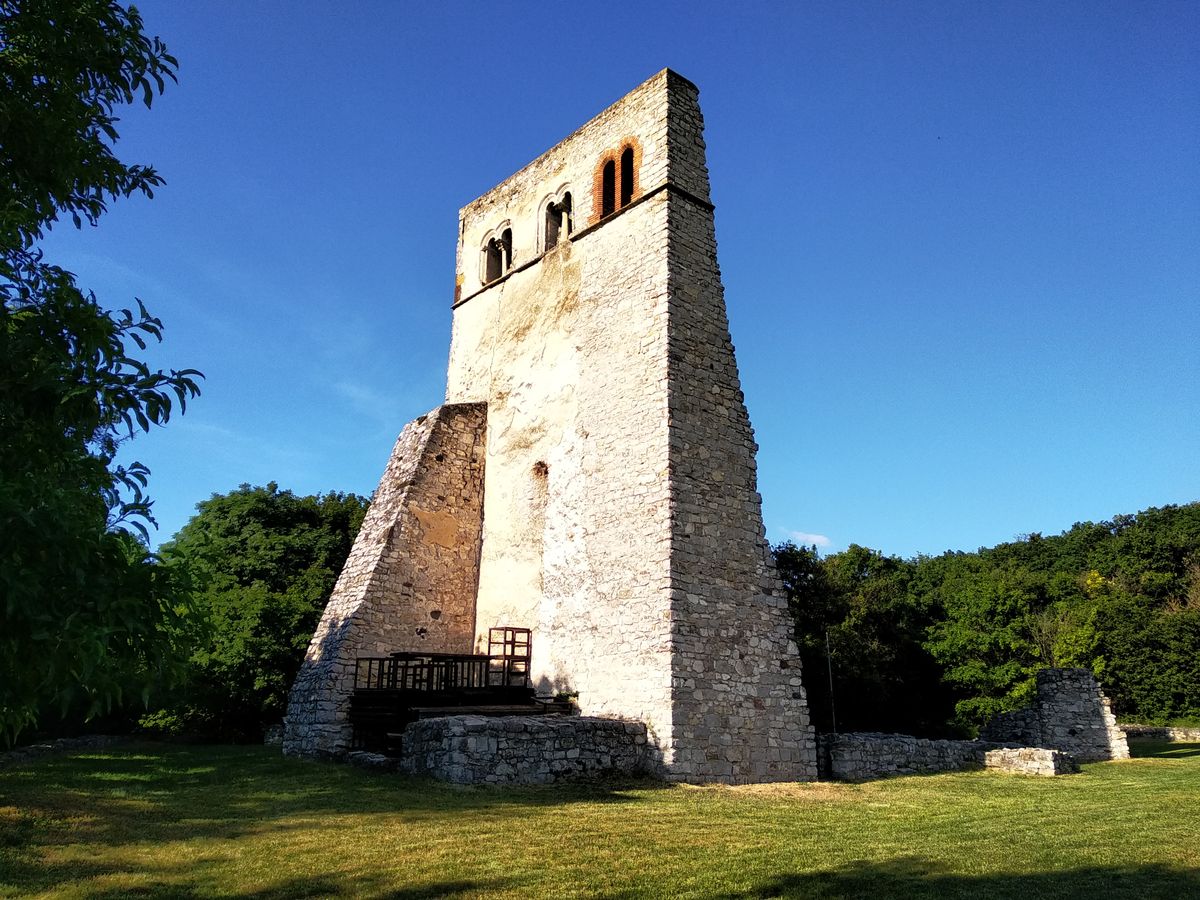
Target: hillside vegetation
[940, 643]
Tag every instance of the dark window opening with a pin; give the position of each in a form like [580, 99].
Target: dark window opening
[497, 256]
[553, 220]
[506, 248]
[626, 176]
[608, 189]
[493, 268]
[558, 221]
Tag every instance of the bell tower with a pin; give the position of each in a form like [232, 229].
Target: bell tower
[600, 463]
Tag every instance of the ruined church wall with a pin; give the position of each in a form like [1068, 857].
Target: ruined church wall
[409, 582]
[622, 521]
[1069, 713]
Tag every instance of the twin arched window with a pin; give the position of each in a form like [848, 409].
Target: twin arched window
[615, 188]
[617, 180]
[497, 256]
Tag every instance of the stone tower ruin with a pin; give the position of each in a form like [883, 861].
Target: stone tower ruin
[591, 475]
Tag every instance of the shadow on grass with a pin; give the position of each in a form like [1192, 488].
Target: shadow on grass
[158, 794]
[1143, 749]
[916, 877]
[316, 886]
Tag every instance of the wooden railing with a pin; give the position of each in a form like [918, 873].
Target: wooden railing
[438, 672]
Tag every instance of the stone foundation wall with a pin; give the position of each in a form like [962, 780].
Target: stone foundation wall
[868, 755]
[522, 749]
[409, 583]
[1160, 733]
[1020, 726]
[1069, 713]
[865, 756]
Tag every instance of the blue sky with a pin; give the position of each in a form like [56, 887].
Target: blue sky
[960, 241]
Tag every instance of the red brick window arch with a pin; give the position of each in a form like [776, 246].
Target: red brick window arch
[608, 188]
[616, 182]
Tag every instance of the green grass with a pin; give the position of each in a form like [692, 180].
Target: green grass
[242, 822]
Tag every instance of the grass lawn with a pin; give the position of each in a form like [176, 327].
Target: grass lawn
[153, 820]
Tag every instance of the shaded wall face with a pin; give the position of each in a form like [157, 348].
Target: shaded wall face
[427, 578]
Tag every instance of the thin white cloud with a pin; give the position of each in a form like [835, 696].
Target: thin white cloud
[368, 401]
[807, 539]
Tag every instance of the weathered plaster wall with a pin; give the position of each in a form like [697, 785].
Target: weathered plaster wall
[570, 356]
[409, 582]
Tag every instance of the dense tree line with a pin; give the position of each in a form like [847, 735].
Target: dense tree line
[88, 615]
[933, 644]
[263, 563]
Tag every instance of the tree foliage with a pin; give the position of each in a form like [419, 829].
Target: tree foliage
[265, 562]
[917, 642]
[87, 611]
[858, 621]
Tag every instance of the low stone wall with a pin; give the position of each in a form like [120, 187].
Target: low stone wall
[1160, 733]
[1020, 726]
[522, 749]
[1030, 761]
[867, 755]
[30, 752]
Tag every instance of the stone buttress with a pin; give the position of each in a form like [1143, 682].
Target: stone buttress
[411, 572]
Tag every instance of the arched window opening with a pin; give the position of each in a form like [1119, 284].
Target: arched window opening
[497, 256]
[608, 189]
[567, 222]
[506, 248]
[558, 221]
[493, 266]
[626, 176]
[553, 223]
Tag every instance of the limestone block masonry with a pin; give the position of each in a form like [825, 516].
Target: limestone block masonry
[620, 515]
[410, 578]
[1160, 733]
[865, 756]
[1069, 713]
[522, 749]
